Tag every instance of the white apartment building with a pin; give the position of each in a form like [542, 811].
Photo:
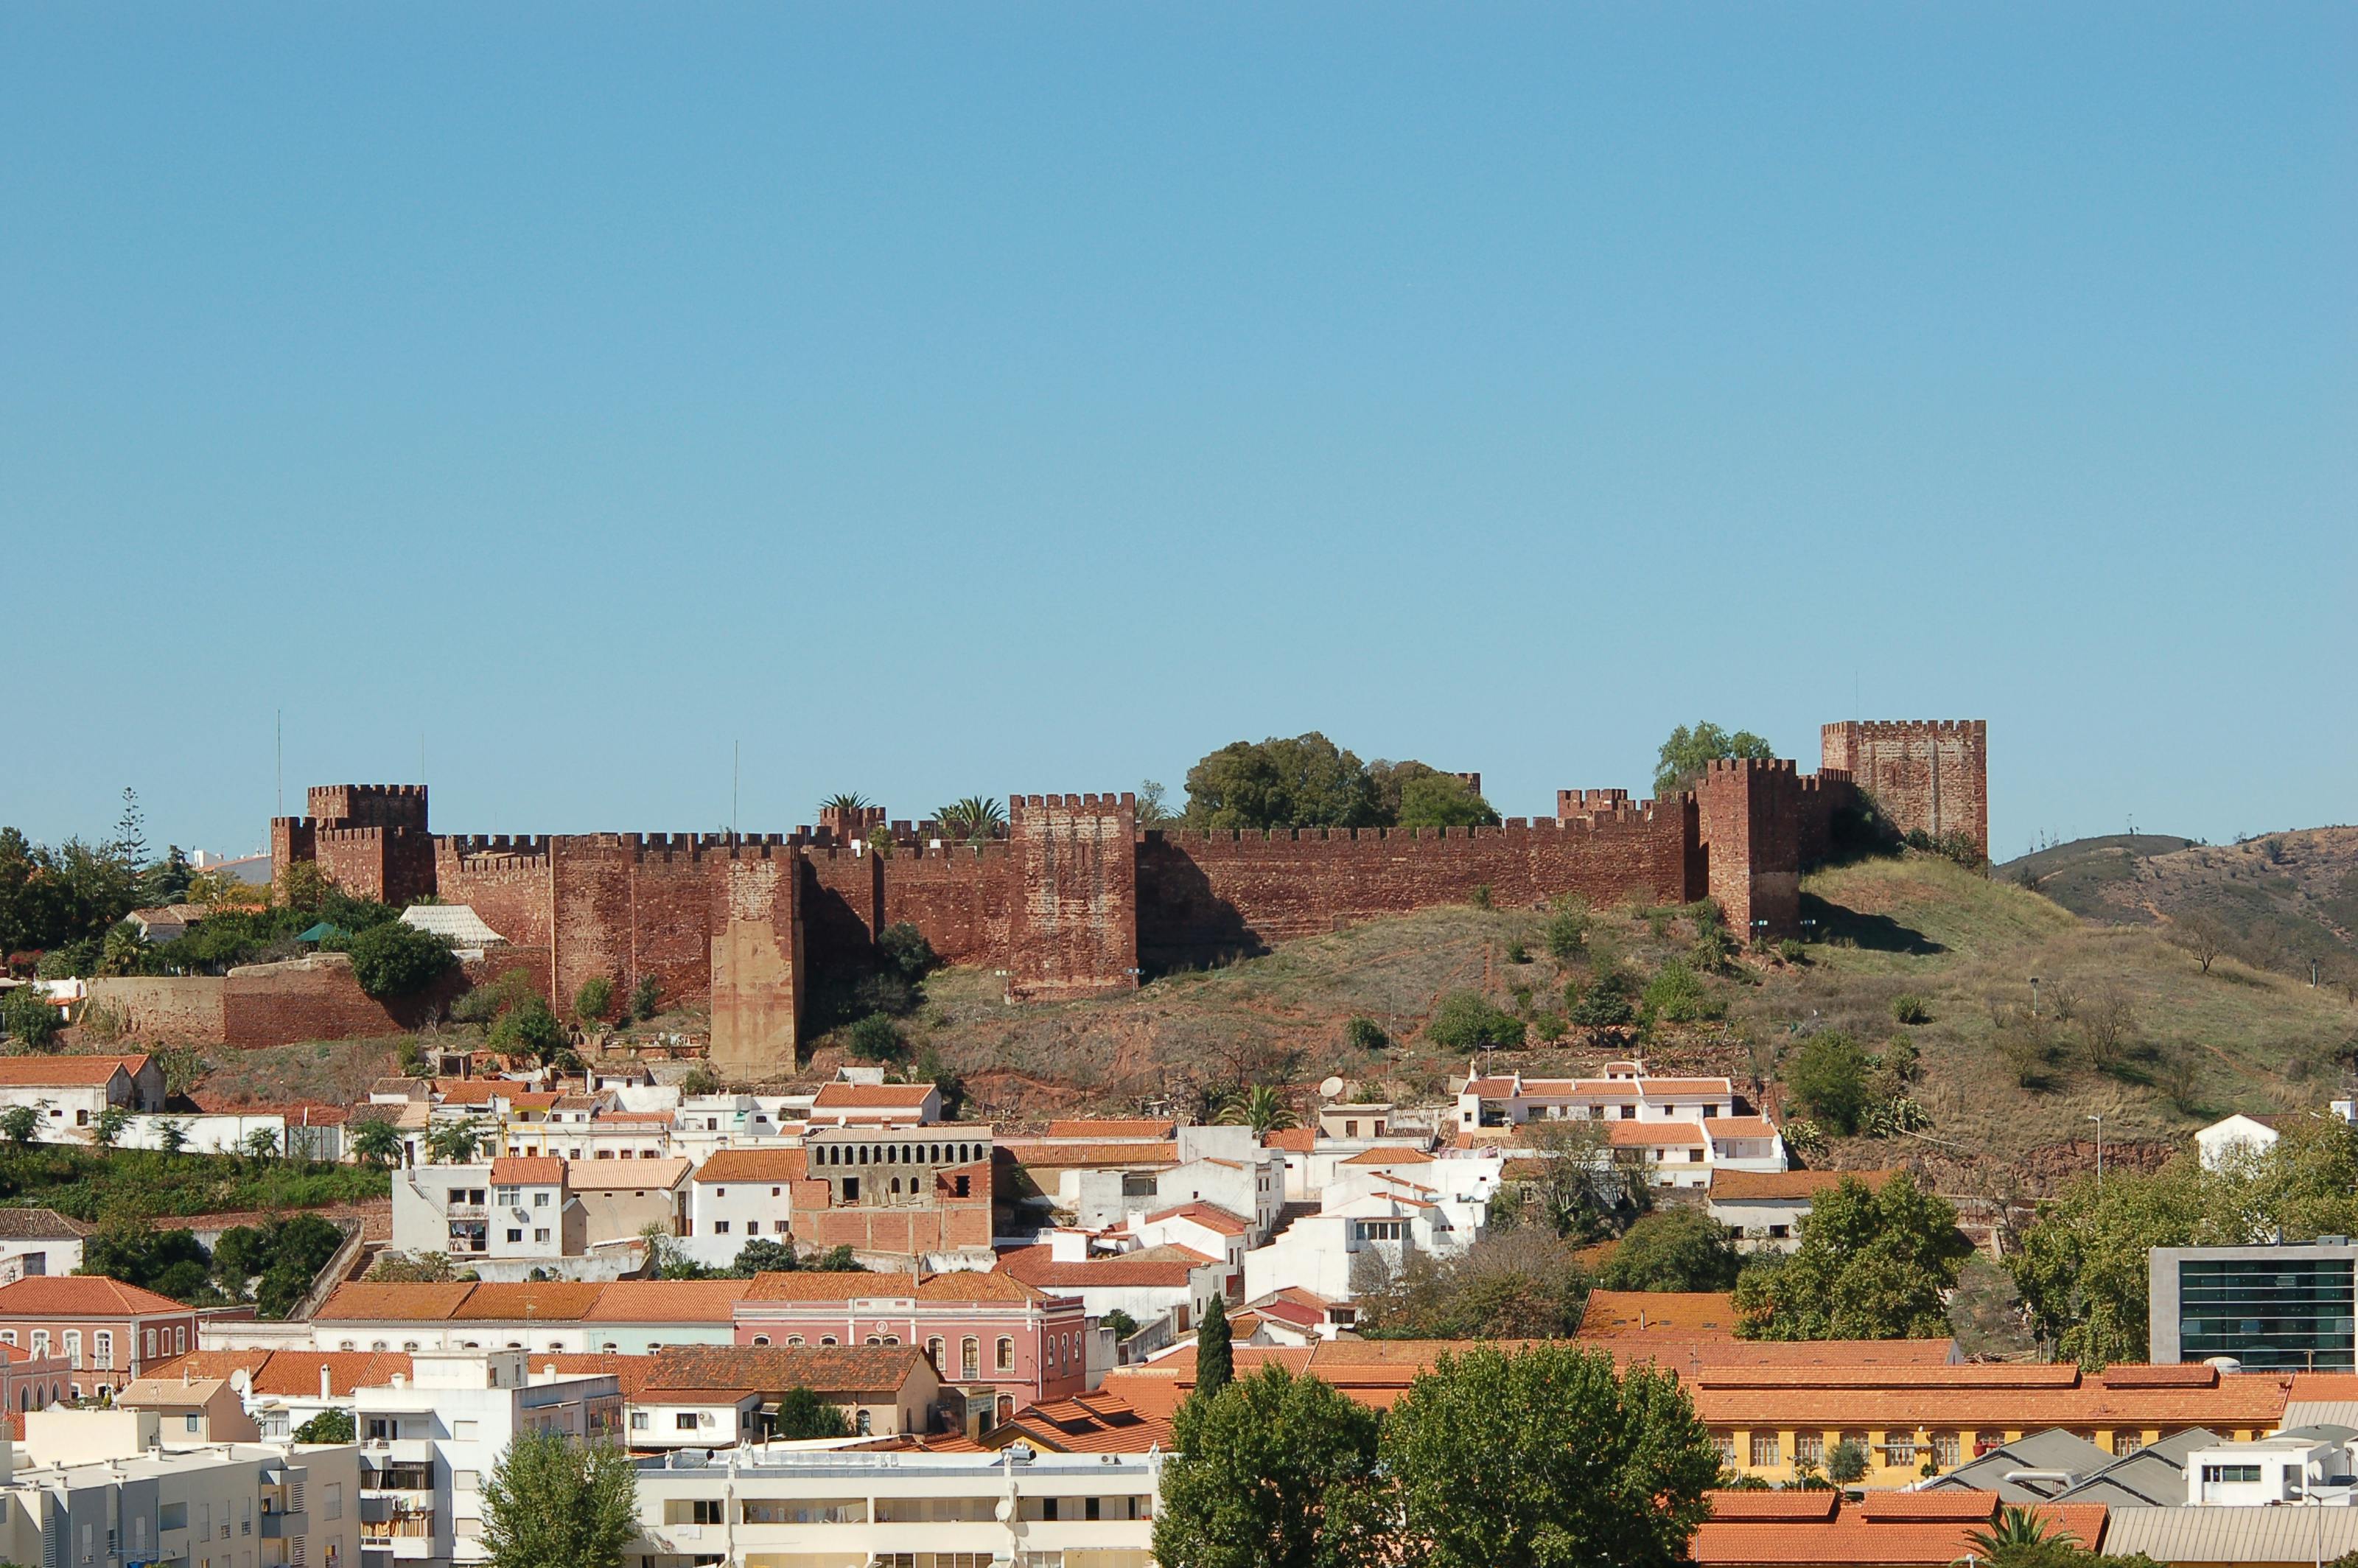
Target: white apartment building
[427, 1442]
[738, 1196]
[1019, 1506]
[508, 1217]
[96, 1487]
[1626, 1093]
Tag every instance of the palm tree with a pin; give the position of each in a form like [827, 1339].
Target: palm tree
[851, 803]
[376, 1143]
[975, 818]
[2016, 1528]
[1260, 1108]
[454, 1142]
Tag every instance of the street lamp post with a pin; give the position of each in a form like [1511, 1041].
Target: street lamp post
[2034, 996]
[2100, 1151]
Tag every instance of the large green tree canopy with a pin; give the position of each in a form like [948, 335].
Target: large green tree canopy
[1689, 751]
[1310, 781]
[1873, 1264]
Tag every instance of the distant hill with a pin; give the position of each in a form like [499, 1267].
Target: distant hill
[2284, 899]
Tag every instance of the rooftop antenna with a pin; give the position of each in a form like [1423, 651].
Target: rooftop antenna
[736, 749]
[281, 722]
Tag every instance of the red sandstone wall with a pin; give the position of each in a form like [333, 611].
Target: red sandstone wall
[1927, 775]
[1201, 895]
[503, 880]
[957, 895]
[183, 1009]
[843, 906]
[1072, 925]
[1749, 823]
[316, 998]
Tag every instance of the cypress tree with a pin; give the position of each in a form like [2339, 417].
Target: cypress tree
[1216, 1359]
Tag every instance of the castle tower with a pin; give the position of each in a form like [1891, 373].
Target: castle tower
[1073, 921]
[1924, 775]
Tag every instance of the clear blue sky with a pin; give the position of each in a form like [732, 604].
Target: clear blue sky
[985, 399]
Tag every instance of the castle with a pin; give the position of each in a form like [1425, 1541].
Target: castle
[1074, 899]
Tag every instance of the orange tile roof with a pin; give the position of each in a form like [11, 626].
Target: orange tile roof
[1678, 1313]
[537, 1302]
[1291, 1140]
[1109, 1127]
[527, 1171]
[1151, 1265]
[972, 1285]
[80, 1295]
[606, 1176]
[1753, 1507]
[1851, 1535]
[466, 1091]
[667, 1300]
[754, 1165]
[1654, 1134]
[1692, 1356]
[293, 1373]
[1740, 1127]
[1490, 1088]
[1970, 1397]
[852, 1097]
[1085, 1424]
[1211, 1217]
[64, 1072]
[811, 1285]
[363, 1301]
[1391, 1157]
[1789, 1186]
[634, 1117]
[829, 1369]
[1086, 1155]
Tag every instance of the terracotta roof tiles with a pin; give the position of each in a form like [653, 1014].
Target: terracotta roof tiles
[81, 1295]
[754, 1165]
[1106, 1128]
[1788, 1185]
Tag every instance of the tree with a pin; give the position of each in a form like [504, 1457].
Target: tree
[259, 1145]
[973, 819]
[106, 1129]
[418, 1268]
[647, 997]
[1677, 995]
[391, 959]
[1676, 1250]
[530, 1030]
[1306, 782]
[1465, 1021]
[1609, 1002]
[553, 1501]
[1262, 1109]
[1444, 800]
[28, 1018]
[1688, 754]
[125, 951]
[2202, 935]
[377, 1143]
[595, 998]
[19, 1124]
[906, 952]
[802, 1414]
[701, 1080]
[1365, 1034]
[1519, 1281]
[304, 888]
[455, 1142]
[1477, 1468]
[845, 803]
[876, 1038]
[1216, 1357]
[1567, 934]
[1832, 1075]
[759, 1255]
[1263, 1473]
[1578, 1190]
[1846, 1462]
[1152, 812]
[1873, 1264]
[171, 1135]
[328, 1426]
[2014, 1528]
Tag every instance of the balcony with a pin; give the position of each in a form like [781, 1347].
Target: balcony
[383, 1451]
[285, 1526]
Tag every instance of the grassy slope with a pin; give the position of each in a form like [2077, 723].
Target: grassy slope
[1916, 924]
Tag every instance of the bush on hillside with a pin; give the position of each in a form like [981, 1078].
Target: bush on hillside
[1467, 1021]
[393, 960]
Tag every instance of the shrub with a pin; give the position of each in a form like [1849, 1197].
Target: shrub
[529, 1029]
[1846, 1462]
[1792, 952]
[1548, 1026]
[1909, 1008]
[1610, 1002]
[1566, 933]
[595, 998]
[1517, 953]
[886, 992]
[1465, 1021]
[393, 959]
[1481, 899]
[1522, 995]
[328, 1426]
[1829, 1074]
[646, 997]
[1365, 1034]
[876, 1038]
[905, 952]
[1677, 995]
[28, 1018]
[701, 1080]
[486, 1002]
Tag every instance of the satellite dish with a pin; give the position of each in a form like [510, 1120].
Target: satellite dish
[1331, 1090]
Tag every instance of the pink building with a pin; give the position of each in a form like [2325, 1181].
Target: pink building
[106, 1332]
[983, 1331]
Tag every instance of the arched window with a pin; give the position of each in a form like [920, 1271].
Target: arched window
[827, 1339]
[935, 1351]
[1006, 1355]
[377, 1345]
[761, 1339]
[970, 1357]
[860, 1425]
[873, 1339]
[794, 1341]
[409, 1346]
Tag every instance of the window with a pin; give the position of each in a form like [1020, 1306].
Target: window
[73, 1349]
[1723, 1444]
[720, 1227]
[102, 1350]
[333, 1507]
[540, 1200]
[462, 1431]
[761, 1339]
[1766, 1453]
[515, 1235]
[752, 1227]
[541, 1234]
[1003, 1357]
[706, 1511]
[827, 1339]
[794, 1341]
[638, 1421]
[684, 1421]
[970, 1356]
[189, 1422]
[2229, 1472]
[41, 1343]
[465, 1481]
[2127, 1441]
[8, 1336]
[936, 1350]
[181, 1340]
[1944, 1450]
[382, 1428]
[1900, 1448]
[1808, 1448]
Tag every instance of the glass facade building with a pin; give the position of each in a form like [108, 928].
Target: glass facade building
[2285, 1308]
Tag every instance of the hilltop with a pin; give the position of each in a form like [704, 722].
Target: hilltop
[2188, 1045]
[2281, 900]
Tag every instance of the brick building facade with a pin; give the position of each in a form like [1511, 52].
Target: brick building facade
[1076, 900]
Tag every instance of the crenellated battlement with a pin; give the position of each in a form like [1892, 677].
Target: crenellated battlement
[1018, 806]
[1892, 729]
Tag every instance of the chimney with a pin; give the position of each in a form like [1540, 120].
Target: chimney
[326, 1390]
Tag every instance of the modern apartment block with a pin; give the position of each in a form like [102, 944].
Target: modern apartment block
[2284, 1308]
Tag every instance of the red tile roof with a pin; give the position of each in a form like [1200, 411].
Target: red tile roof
[527, 1171]
[1086, 1424]
[81, 1295]
[810, 1285]
[1675, 1313]
[1151, 1265]
[667, 1300]
[1654, 1134]
[1084, 1156]
[1740, 1127]
[1109, 1127]
[852, 1097]
[1751, 1532]
[65, 1072]
[754, 1165]
[1391, 1157]
[292, 1373]
[2017, 1397]
[1211, 1217]
[536, 1302]
[379, 1301]
[1789, 1186]
[1291, 1140]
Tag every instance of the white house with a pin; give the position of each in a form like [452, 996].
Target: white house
[1201, 1228]
[38, 1241]
[2238, 1139]
[738, 1196]
[1763, 1210]
[1626, 1093]
[1166, 1280]
[2284, 1468]
[428, 1442]
[68, 1092]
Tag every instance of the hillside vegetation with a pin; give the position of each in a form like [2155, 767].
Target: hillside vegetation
[2129, 1027]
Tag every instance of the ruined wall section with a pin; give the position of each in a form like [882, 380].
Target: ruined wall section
[1209, 896]
[1073, 921]
[1927, 775]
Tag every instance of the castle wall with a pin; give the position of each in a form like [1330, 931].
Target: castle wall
[757, 964]
[1747, 822]
[843, 905]
[505, 879]
[1204, 895]
[1072, 923]
[957, 895]
[1925, 775]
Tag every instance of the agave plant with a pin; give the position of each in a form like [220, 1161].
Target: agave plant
[975, 818]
